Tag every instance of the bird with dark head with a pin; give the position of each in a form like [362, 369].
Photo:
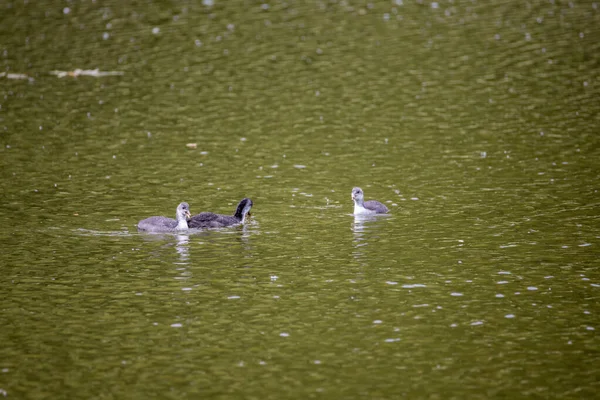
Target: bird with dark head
[212, 220]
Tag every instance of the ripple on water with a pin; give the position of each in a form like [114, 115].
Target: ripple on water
[91, 232]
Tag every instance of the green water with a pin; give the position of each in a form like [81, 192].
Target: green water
[476, 123]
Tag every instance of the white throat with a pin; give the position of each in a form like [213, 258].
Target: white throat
[360, 209]
[182, 224]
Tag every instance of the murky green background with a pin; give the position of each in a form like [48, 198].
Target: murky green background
[476, 122]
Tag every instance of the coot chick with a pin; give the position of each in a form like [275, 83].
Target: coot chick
[366, 207]
[212, 220]
[164, 224]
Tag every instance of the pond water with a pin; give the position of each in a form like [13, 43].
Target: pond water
[476, 123]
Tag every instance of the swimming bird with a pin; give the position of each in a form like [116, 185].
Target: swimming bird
[366, 207]
[164, 224]
[212, 220]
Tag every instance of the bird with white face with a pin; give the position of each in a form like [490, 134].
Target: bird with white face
[362, 207]
[164, 224]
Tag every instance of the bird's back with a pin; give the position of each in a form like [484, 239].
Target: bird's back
[376, 206]
[211, 220]
[157, 224]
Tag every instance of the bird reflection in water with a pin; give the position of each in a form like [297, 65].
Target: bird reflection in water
[363, 227]
[183, 247]
[245, 236]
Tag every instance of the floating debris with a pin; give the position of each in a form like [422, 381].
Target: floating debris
[191, 145]
[13, 76]
[86, 72]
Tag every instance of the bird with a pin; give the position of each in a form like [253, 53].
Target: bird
[366, 207]
[164, 224]
[212, 220]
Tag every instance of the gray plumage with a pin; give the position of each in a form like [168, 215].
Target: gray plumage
[366, 207]
[212, 220]
[164, 224]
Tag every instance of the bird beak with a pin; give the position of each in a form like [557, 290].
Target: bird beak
[188, 215]
[352, 196]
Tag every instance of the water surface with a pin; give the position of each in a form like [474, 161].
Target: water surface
[475, 123]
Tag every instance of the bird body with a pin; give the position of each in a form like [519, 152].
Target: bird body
[362, 207]
[164, 224]
[212, 220]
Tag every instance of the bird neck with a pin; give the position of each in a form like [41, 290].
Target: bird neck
[239, 213]
[182, 223]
